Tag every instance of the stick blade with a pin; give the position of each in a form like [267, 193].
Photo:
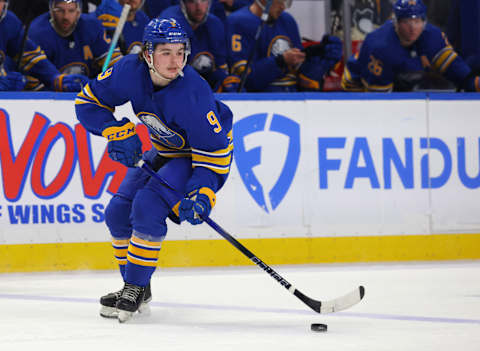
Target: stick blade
[344, 302]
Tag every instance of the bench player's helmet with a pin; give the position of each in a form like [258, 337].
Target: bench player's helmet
[410, 9]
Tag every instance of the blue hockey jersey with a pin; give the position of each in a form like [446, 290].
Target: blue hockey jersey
[133, 33]
[277, 37]
[33, 61]
[382, 60]
[209, 50]
[183, 118]
[83, 52]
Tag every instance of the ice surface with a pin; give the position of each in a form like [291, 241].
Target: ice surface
[418, 306]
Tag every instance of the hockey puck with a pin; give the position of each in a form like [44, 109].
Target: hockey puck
[319, 327]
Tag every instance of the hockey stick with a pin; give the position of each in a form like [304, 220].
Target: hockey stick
[330, 306]
[263, 20]
[116, 35]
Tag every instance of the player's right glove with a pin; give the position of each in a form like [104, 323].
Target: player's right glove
[69, 82]
[197, 204]
[124, 145]
[12, 81]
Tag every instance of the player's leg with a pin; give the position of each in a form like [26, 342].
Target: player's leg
[117, 218]
[150, 209]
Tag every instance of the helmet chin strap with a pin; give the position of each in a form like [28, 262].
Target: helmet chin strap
[162, 80]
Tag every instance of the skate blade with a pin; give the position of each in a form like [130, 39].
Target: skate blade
[124, 316]
[144, 309]
[108, 312]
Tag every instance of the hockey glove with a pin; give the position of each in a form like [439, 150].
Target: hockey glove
[124, 145]
[108, 12]
[13, 81]
[230, 84]
[69, 82]
[196, 205]
[333, 49]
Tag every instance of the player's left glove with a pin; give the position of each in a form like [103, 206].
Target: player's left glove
[124, 145]
[333, 49]
[197, 204]
[69, 82]
[230, 84]
[108, 12]
[12, 81]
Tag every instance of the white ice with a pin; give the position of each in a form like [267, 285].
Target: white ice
[417, 306]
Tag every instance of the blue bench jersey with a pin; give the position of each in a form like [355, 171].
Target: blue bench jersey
[183, 118]
[133, 33]
[382, 59]
[33, 61]
[83, 52]
[209, 47]
[275, 38]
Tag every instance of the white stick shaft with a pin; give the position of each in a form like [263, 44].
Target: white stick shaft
[116, 35]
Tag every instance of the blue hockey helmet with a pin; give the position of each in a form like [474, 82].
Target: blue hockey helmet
[410, 9]
[4, 11]
[164, 31]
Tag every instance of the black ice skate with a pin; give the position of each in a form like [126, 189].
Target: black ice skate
[132, 298]
[109, 303]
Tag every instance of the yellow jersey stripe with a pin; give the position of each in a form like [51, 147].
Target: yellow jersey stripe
[86, 95]
[448, 62]
[378, 88]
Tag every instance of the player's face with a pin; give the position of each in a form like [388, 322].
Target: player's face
[409, 29]
[65, 16]
[168, 59]
[278, 6]
[196, 9]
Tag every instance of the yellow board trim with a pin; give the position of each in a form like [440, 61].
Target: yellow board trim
[197, 253]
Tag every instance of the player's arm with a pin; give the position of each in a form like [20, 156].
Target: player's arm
[351, 80]
[210, 136]
[34, 62]
[317, 64]
[218, 44]
[94, 107]
[446, 61]
[262, 71]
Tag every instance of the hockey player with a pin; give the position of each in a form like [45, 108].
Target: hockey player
[130, 41]
[32, 61]
[74, 42]
[207, 35]
[133, 31]
[279, 64]
[191, 134]
[403, 53]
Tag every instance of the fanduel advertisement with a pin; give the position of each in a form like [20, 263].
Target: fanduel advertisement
[301, 168]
